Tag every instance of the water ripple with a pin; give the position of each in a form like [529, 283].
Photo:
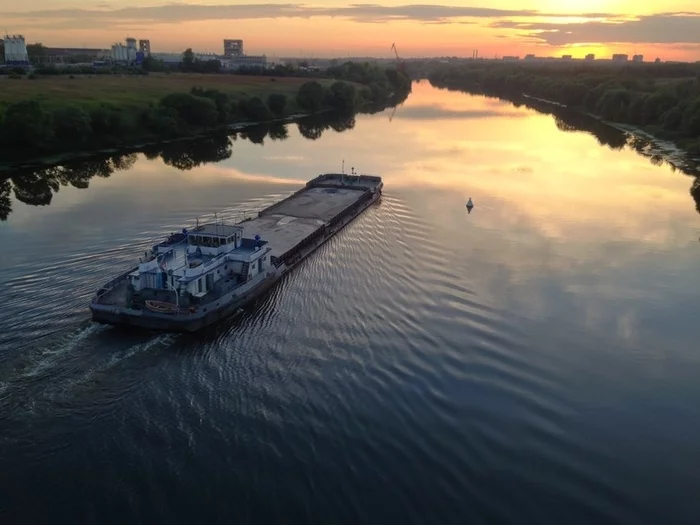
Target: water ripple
[375, 383]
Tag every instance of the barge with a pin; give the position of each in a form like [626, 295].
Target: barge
[199, 276]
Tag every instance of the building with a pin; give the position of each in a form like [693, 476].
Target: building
[145, 47]
[638, 58]
[237, 62]
[566, 57]
[530, 57]
[15, 50]
[127, 54]
[72, 55]
[233, 48]
[509, 58]
[168, 58]
[590, 57]
[131, 43]
[620, 57]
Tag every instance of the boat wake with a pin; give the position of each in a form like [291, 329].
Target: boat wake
[59, 365]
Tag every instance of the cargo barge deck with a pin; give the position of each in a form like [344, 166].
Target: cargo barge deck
[199, 276]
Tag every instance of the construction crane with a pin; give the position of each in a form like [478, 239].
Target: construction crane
[400, 64]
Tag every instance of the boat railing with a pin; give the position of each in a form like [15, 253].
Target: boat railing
[110, 285]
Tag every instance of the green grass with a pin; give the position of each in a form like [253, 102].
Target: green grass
[134, 91]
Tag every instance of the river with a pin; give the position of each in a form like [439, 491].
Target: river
[533, 361]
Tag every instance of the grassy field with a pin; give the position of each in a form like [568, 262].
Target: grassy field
[138, 91]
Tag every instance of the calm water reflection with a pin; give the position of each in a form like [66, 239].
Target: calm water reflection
[531, 362]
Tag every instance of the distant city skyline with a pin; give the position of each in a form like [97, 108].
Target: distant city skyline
[670, 30]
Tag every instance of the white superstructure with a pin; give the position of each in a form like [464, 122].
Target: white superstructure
[194, 262]
[15, 50]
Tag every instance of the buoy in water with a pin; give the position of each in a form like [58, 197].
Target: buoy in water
[470, 204]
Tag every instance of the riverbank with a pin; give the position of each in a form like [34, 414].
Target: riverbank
[657, 100]
[59, 118]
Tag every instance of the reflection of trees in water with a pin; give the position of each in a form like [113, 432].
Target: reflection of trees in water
[278, 131]
[5, 200]
[570, 120]
[312, 127]
[342, 123]
[256, 134]
[37, 186]
[190, 154]
[695, 193]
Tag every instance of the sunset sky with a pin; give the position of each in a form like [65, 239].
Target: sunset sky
[669, 29]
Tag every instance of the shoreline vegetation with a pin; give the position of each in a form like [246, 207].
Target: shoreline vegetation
[52, 118]
[659, 102]
[36, 185]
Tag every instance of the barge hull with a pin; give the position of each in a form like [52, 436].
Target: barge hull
[295, 227]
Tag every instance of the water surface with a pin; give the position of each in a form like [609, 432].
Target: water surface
[534, 361]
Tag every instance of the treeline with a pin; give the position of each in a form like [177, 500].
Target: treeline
[662, 99]
[30, 129]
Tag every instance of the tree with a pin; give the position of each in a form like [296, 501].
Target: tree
[277, 103]
[573, 94]
[220, 99]
[188, 59]
[27, 125]
[153, 64]
[72, 125]
[255, 109]
[691, 119]
[343, 96]
[655, 105]
[310, 96]
[195, 111]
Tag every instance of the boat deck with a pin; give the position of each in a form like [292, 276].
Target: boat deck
[319, 203]
[288, 223]
[116, 296]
